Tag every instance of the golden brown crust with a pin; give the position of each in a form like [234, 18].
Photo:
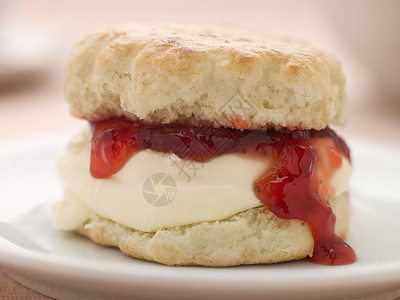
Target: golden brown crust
[203, 74]
[255, 236]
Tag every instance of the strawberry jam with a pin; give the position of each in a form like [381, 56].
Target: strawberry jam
[296, 184]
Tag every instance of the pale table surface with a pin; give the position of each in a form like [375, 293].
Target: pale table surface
[9, 289]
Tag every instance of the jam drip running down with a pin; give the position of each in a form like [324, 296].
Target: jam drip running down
[296, 184]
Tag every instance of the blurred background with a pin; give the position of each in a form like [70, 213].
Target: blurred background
[36, 38]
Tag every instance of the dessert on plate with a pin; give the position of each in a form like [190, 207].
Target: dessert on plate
[207, 145]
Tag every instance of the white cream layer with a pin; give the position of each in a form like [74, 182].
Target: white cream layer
[216, 190]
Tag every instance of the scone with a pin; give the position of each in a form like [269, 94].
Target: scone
[206, 145]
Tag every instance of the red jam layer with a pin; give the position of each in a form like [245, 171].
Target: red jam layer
[296, 184]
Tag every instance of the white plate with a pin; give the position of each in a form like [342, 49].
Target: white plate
[66, 266]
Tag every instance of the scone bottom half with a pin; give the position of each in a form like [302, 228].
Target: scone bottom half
[242, 119]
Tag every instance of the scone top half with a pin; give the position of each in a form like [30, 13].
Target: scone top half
[216, 76]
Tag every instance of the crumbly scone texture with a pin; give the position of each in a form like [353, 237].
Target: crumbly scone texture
[255, 236]
[214, 75]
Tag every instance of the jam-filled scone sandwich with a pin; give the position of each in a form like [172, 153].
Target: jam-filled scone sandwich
[206, 145]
